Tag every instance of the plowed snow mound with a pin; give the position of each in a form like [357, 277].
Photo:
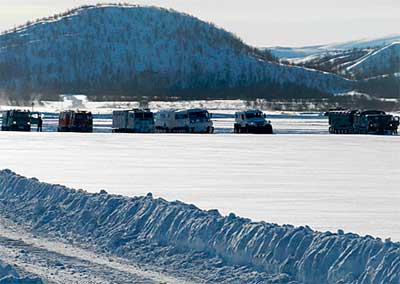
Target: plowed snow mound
[115, 223]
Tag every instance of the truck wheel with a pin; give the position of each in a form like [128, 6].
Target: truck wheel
[268, 129]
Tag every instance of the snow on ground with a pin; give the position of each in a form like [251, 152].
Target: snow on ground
[189, 242]
[325, 181]
[82, 102]
[61, 263]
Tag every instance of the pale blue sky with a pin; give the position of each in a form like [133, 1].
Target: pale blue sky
[258, 22]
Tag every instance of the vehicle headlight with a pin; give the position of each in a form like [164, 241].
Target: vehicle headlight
[29, 123]
[14, 122]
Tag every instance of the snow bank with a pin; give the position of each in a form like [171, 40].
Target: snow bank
[115, 222]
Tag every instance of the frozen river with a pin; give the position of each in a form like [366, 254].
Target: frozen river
[325, 181]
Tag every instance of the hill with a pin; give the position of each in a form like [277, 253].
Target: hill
[383, 61]
[314, 50]
[124, 50]
[377, 70]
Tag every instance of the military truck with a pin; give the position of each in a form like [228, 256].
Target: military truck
[375, 122]
[16, 120]
[184, 121]
[362, 122]
[252, 121]
[133, 121]
[75, 121]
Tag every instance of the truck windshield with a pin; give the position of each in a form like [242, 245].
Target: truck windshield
[21, 115]
[379, 118]
[251, 115]
[144, 115]
[199, 116]
[83, 116]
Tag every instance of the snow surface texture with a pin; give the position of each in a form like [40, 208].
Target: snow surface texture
[8, 275]
[118, 224]
[328, 182]
[131, 47]
[57, 262]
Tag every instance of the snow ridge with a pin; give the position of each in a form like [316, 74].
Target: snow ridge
[298, 255]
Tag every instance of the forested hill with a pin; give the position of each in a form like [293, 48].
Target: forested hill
[123, 50]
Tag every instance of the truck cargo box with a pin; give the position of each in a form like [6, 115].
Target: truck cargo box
[133, 121]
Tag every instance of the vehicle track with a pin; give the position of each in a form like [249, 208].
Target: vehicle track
[56, 262]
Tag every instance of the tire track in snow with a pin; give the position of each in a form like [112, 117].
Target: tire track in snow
[58, 262]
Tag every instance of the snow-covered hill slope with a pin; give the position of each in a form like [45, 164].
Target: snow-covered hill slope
[6, 270]
[306, 51]
[375, 68]
[132, 50]
[131, 227]
[8, 275]
[383, 61]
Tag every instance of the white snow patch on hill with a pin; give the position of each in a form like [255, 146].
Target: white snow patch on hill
[125, 226]
[382, 59]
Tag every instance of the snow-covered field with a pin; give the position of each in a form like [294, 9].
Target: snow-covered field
[325, 181]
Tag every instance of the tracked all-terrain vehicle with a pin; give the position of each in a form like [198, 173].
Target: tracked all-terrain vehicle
[362, 122]
[252, 121]
[133, 121]
[16, 120]
[75, 121]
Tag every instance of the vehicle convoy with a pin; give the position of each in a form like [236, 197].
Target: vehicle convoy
[16, 120]
[184, 121]
[133, 121]
[362, 122]
[75, 121]
[252, 121]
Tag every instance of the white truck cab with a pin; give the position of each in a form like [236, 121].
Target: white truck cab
[252, 121]
[184, 121]
[133, 121]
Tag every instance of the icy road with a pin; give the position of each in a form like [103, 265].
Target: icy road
[327, 182]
